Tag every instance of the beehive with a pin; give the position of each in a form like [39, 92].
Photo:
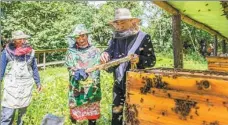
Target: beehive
[176, 97]
[217, 63]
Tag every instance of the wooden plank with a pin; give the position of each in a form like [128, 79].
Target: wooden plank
[186, 73]
[51, 50]
[110, 64]
[157, 110]
[170, 9]
[217, 59]
[219, 65]
[51, 63]
[190, 96]
[177, 43]
[61, 50]
[218, 69]
[216, 86]
[44, 60]
[38, 58]
[215, 45]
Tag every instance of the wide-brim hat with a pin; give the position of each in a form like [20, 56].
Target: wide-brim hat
[79, 30]
[19, 35]
[123, 14]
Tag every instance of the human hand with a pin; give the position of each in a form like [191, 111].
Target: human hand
[105, 57]
[135, 58]
[39, 87]
[80, 74]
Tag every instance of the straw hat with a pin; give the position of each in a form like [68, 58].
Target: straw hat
[79, 30]
[123, 14]
[19, 35]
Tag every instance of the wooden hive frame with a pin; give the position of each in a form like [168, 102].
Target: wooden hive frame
[176, 97]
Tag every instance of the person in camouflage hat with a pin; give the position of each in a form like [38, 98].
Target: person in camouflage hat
[84, 89]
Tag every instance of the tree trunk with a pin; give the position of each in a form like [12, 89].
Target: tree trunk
[177, 43]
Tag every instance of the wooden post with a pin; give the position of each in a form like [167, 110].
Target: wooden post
[38, 58]
[215, 46]
[44, 61]
[177, 43]
[223, 46]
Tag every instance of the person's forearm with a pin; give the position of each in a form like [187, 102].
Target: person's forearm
[3, 64]
[36, 75]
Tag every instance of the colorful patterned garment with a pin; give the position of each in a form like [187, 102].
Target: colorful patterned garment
[84, 96]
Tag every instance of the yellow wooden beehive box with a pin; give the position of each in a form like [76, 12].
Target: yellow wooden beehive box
[176, 97]
[216, 63]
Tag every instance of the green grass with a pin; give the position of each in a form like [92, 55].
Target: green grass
[53, 99]
[191, 61]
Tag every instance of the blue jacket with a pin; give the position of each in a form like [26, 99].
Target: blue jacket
[4, 62]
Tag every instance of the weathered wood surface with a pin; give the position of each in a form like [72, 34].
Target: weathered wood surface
[50, 50]
[110, 64]
[183, 83]
[51, 63]
[159, 104]
[154, 110]
[214, 59]
[217, 63]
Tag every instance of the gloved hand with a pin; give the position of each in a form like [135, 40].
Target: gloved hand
[80, 74]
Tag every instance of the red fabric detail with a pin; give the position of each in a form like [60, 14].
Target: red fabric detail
[85, 112]
[83, 64]
[94, 117]
[22, 51]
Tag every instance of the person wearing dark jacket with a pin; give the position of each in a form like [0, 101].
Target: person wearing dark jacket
[127, 39]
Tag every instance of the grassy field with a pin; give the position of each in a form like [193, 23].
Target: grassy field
[53, 98]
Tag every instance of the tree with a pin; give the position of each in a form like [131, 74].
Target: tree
[47, 22]
[101, 30]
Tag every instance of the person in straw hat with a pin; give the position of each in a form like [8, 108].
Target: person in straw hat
[19, 69]
[84, 88]
[127, 39]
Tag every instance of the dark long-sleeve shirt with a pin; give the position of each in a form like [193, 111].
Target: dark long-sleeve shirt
[118, 48]
[4, 62]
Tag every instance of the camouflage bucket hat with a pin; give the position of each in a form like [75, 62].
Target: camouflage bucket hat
[79, 30]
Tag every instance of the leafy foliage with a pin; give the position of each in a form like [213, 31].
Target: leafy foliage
[50, 22]
[47, 22]
[101, 29]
